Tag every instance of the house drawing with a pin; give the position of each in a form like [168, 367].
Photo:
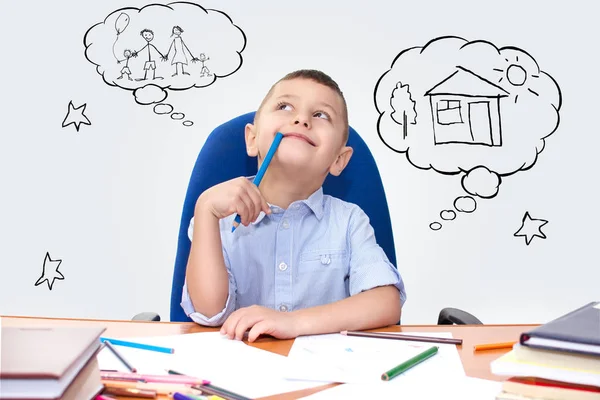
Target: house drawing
[465, 109]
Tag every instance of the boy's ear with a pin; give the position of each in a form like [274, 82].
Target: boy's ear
[341, 161]
[251, 143]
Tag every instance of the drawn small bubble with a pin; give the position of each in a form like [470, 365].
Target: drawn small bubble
[447, 215]
[163, 108]
[465, 204]
[187, 123]
[178, 115]
[435, 226]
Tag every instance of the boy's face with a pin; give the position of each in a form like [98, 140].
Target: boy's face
[311, 118]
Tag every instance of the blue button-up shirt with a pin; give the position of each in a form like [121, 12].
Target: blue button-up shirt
[318, 251]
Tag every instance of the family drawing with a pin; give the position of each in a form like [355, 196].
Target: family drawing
[180, 55]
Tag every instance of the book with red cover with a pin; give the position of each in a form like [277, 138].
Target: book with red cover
[575, 332]
[549, 389]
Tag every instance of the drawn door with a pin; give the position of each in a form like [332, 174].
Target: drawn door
[480, 122]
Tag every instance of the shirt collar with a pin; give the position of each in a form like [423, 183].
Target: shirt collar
[314, 203]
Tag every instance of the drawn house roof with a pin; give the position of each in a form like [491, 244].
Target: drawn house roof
[466, 83]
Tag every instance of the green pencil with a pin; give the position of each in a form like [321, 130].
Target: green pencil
[408, 364]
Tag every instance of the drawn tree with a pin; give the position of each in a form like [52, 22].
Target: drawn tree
[404, 107]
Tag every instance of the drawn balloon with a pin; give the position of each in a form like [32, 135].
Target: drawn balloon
[121, 23]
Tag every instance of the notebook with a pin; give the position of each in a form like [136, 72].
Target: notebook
[42, 362]
[576, 332]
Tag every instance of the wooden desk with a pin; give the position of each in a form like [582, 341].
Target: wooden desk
[475, 364]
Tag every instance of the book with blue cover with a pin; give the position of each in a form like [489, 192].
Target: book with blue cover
[575, 332]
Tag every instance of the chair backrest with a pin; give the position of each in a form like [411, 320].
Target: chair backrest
[224, 157]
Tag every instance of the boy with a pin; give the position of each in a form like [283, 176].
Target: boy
[301, 262]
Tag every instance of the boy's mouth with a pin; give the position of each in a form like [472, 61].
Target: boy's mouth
[299, 136]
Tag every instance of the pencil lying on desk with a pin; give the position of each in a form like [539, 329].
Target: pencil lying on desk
[159, 388]
[110, 347]
[494, 346]
[414, 338]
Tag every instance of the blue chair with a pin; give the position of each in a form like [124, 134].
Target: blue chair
[224, 157]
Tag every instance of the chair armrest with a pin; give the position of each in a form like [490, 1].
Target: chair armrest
[146, 316]
[450, 316]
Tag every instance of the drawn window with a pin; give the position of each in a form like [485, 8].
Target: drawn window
[448, 112]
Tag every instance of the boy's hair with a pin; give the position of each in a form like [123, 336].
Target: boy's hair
[318, 77]
[146, 30]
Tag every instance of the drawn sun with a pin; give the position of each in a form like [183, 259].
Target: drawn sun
[517, 75]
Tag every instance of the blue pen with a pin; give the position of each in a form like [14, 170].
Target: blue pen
[138, 345]
[261, 171]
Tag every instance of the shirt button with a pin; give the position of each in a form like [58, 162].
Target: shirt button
[282, 266]
[283, 308]
[325, 259]
[285, 224]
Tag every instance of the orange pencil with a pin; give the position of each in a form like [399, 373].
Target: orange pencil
[494, 346]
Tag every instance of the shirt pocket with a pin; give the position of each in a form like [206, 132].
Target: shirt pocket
[323, 261]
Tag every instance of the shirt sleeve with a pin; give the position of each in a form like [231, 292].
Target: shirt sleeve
[369, 265]
[186, 301]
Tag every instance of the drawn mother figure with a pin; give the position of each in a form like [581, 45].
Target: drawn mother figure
[180, 58]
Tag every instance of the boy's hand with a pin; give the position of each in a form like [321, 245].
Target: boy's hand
[237, 195]
[261, 320]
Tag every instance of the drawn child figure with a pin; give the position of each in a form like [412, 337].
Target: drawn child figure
[150, 64]
[204, 71]
[125, 70]
[179, 47]
[301, 262]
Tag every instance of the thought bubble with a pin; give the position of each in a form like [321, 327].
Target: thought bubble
[187, 123]
[149, 94]
[435, 226]
[163, 108]
[447, 215]
[176, 46]
[178, 115]
[465, 204]
[481, 182]
[460, 107]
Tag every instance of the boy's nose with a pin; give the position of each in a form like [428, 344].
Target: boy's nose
[301, 120]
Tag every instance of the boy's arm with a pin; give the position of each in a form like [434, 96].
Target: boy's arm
[372, 308]
[206, 275]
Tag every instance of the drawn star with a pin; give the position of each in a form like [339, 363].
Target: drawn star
[50, 272]
[531, 227]
[76, 116]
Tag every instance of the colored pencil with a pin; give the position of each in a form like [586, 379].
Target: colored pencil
[414, 338]
[160, 388]
[408, 364]
[261, 171]
[135, 345]
[110, 347]
[494, 346]
[209, 388]
[130, 392]
[126, 376]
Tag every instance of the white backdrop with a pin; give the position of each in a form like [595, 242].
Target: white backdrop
[101, 187]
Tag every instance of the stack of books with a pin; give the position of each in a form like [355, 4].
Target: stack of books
[559, 360]
[49, 363]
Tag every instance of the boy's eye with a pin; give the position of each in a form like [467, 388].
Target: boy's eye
[284, 106]
[321, 114]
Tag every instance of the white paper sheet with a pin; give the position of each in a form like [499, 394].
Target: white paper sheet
[350, 359]
[464, 388]
[230, 364]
